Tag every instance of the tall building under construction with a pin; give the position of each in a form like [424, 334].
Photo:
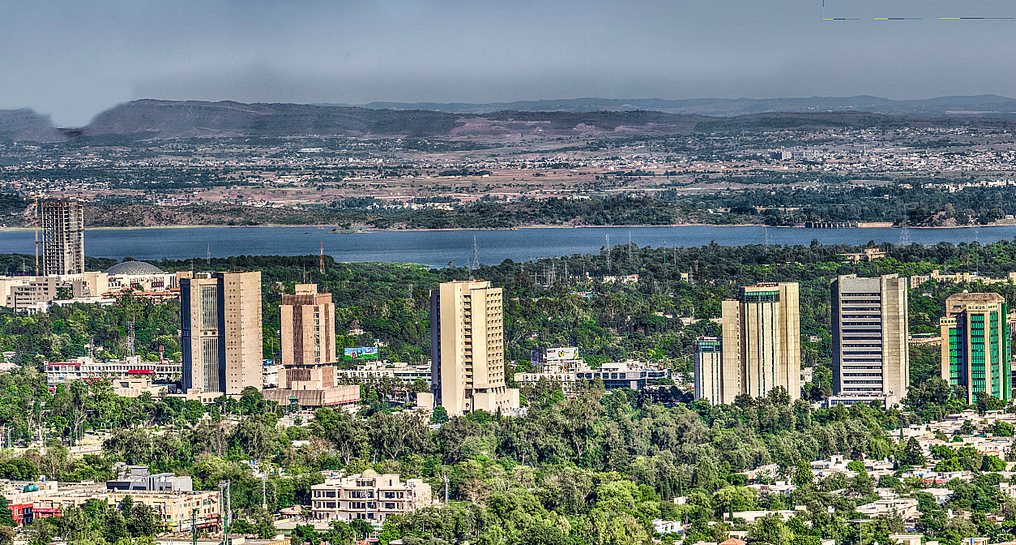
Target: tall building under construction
[63, 237]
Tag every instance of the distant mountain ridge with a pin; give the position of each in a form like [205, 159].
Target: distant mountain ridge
[26, 125]
[728, 107]
[149, 118]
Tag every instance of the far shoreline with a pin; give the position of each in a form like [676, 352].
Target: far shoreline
[521, 227]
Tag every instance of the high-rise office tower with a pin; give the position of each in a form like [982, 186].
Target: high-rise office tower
[761, 341]
[308, 339]
[709, 369]
[221, 332]
[467, 348]
[871, 356]
[308, 327]
[63, 237]
[975, 345]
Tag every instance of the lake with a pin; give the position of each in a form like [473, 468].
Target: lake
[438, 248]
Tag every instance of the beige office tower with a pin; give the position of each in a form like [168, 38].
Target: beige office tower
[761, 341]
[63, 237]
[308, 327]
[467, 348]
[221, 332]
[871, 355]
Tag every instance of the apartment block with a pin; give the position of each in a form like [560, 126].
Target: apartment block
[761, 341]
[221, 332]
[467, 348]
[367, 496]
[36, 293]
[871, 355]
[975, 345]
[174, 508]
[63, 237]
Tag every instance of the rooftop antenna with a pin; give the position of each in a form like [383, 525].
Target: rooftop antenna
[905, 232]
[474, 262]
[321, 260]
[208, 255]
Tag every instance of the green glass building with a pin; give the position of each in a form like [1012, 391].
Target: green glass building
[975, 345]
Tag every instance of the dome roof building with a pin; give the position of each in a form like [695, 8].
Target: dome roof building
[133, 268]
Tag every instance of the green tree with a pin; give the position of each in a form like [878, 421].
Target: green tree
[439, 416]
[305, 533]
[803, 475]
[912, 454]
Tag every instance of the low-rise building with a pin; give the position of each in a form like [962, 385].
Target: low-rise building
[628, 374]
[906, 508]
[961, 277]
[345, 394]
[668, 526]
[367, 496]
[139, 276]
[35, 293]
[868, 254]
[906, 539]
[86, 368]
[138, 479]
[378, 370]
[751, 516]
[174, 507]
[135, 387]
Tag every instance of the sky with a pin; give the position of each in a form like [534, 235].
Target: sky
[71, 59]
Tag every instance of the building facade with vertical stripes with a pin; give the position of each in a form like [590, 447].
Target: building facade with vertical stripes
[871, 355]
[221, 332]
[976, 355]
[762, 341]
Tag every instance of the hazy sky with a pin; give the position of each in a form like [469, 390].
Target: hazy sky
[73, 58]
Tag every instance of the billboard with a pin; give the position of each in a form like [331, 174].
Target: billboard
[569, 353]
[360, 353]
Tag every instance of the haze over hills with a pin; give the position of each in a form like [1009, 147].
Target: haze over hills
[724, 107]
[142, 119]
[24, 124]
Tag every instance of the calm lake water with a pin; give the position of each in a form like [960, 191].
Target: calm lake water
[438, 248]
